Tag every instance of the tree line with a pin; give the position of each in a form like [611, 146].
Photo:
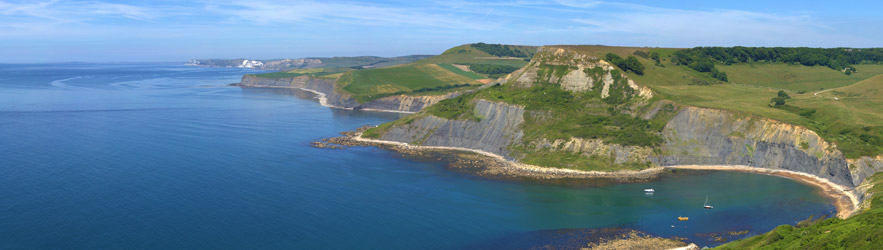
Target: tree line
[703, 58]
[500, 50]
[492, 70]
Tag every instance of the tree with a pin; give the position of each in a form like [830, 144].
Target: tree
[783, 95]
[634, 65]
[655, 56]
[777, 101]
[631, 63]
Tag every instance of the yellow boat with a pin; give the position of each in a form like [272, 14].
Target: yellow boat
[683, 218]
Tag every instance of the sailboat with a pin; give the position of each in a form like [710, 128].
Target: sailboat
[706, 206]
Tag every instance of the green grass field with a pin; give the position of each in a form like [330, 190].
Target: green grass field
[465, 54]
[369, 84]
[852, 121]
[794, 77]
[470, 74]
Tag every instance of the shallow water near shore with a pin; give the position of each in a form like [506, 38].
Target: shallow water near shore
[164, 156]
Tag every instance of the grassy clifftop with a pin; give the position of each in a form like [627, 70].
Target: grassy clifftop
[842, 108]
[451, 68]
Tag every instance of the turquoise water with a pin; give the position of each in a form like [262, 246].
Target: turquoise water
[162, 156]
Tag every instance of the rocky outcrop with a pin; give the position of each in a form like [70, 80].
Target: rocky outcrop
[335, 98]
[496, 129]
[575, 72]
[864, 167]
[595, 147]
[715, 137]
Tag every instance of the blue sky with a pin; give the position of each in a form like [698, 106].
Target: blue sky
[114, 31]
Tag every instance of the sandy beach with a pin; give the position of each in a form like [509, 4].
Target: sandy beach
[843, 199]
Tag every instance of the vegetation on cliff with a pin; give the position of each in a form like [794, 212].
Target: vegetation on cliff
[492, 70]
[841, 108]
[503, 50]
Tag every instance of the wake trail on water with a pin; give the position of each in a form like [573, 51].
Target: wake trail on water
[61, 84]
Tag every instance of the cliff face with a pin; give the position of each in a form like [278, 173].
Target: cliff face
[575, 72]
[691, 135]
[864, 167]
[619, 154]
[406, 103]
[334, 97]
[494, 132]
[708, 136]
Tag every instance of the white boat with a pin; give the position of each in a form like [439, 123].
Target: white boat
[706, 206]
[649, 190]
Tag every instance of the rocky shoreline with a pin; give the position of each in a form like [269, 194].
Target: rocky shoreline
[490, 165]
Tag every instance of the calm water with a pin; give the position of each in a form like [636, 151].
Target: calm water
[161, 156]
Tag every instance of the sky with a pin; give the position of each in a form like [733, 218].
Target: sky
[171, 31]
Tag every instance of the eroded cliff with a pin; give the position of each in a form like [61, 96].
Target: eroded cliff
[716, 137]
[497, 128]
[690, 135]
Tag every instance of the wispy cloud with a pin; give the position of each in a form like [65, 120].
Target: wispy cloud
[72, 11]
[128, 11]
[396, 27]
[579, 4]
[262, 12]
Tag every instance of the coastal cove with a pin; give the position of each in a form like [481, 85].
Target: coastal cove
[139, 156]
[842, 198]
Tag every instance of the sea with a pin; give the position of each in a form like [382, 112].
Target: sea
[169, 156]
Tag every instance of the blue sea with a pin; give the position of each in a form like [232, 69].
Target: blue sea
[167, 156]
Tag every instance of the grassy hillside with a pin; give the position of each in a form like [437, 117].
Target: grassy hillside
[793, 77]
[375, 83]
[849, 117]
[428, 74]
[369, 61]
[466, 54]
[456, 70]
[862, 231]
